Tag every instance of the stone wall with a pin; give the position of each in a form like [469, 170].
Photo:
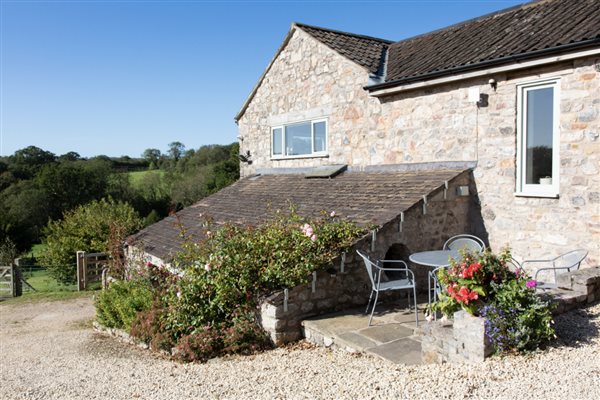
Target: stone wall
[348, 286]
[463, 339]
[309, 80]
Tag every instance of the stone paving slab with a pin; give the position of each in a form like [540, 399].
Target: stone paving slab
[392, 336]
[402, 351]
[386, 333]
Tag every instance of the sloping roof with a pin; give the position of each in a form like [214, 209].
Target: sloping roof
[502, 37]
[365, 51]
[364, 197]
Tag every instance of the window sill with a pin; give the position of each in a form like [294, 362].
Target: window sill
[538, 195]
[283, 158]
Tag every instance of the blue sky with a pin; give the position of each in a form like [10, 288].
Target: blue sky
[118, 77]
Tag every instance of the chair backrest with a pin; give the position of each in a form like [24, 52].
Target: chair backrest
[434, 278]
[470, 242]
[571, 260]
[514, 266]
[369, 265]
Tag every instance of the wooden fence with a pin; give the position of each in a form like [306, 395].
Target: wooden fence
[10, 281]
[89, 268]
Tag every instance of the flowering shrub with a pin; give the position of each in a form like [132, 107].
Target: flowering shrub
[467, 281]
[207, 304]
[515, 317]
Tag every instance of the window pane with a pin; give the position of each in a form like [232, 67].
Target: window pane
[297, 139]
[277, 147]
[539, 130]
[320, 132]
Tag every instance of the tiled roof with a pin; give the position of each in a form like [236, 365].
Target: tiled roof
[522, 30]
[364, 197]
[364, 50]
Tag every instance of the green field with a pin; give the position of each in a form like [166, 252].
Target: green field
[137, 178]
[46, 288]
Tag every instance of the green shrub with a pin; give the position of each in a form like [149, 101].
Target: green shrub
[118, 306]
[89, 228]
[233, 267]
[517, 318]
[210, 305]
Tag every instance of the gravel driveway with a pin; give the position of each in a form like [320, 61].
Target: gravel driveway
[49, 351]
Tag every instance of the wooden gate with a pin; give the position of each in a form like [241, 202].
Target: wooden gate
[89, 268]
[10, 282]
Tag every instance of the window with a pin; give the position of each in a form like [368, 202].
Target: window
[537, 139]
[301, 139]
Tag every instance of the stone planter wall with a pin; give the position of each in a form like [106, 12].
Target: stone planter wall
[464, 340]
[457, 341]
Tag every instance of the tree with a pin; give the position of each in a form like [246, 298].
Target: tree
[27, 162]
[152, 156]
[176, 150]
[72, 183]
[70, 156]
[90, 228]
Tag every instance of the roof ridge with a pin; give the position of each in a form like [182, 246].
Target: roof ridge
[356, 35]
[477, 18]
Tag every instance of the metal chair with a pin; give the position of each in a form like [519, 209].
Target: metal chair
[560, 265]
[470, 242]
[375, 269]
[435, 287]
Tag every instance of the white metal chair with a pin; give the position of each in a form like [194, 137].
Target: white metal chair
[559, 265]
[470, 242]
[375, 270]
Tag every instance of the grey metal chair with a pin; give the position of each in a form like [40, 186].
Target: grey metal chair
[470, 242]
[557, 266]
[376, 269]
[435, 287]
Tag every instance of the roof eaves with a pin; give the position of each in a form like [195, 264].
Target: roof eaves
[515, 58]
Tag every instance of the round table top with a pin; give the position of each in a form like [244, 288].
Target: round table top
[434, 258]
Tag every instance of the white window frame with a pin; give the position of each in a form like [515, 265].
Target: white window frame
[313, 153]
[537, 190]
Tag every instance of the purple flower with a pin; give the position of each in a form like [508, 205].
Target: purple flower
[531, 284]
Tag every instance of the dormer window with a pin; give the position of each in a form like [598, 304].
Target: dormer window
[303, 139]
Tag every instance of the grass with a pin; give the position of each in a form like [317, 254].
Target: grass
[47, 289]
[37, 250]
[137, 178]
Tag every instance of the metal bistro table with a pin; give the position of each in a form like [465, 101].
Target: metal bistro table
[435, 259]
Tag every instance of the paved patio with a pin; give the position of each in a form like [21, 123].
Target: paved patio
[393, 334]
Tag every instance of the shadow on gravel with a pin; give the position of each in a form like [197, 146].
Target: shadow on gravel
[578, 327]
[104, 346]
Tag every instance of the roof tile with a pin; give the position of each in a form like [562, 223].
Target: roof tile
[364, 197]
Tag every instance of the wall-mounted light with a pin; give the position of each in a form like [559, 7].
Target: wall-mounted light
[240, 138]
[246, 158]
[493, 83]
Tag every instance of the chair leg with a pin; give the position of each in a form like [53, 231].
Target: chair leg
[416, 310]
[369, 303]
[374, 305]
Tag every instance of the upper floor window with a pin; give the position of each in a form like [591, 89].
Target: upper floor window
[300, 139]
[537, 138]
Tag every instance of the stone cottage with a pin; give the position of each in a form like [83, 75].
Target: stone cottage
[489, 127]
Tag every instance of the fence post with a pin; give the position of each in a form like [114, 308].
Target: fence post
[17, 284]
[80, 270]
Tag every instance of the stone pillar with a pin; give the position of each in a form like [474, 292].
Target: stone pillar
[470, 342]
